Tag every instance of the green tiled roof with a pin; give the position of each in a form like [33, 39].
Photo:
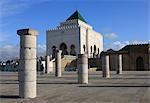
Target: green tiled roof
[76, 15]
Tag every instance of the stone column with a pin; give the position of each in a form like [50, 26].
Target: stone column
[58, 63]
[27, 70]
[105, 66]
[51, 66]
[82, 66]
[149, 55]
[119, 69]
[47, 66]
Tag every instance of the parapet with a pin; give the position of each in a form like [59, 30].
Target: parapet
[64, 28]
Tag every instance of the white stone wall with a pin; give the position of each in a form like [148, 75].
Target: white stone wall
[93, 38]
[82, 39]
[83, 24]
[68, 36]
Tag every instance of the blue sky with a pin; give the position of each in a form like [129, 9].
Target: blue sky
[121, 22]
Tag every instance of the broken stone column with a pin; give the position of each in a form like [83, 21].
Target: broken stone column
[27, 70]
[149, 56]
[119, 69]
[58, 63]
[47, 66]
[51, 66]
[105, 66]
[82, 66]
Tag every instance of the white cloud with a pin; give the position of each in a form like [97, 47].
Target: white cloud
[118, 44]
[11, 7]
[41, 49]
[12, 51]
[139, 42]
[5, 37]
[111, 35]
[9, 52]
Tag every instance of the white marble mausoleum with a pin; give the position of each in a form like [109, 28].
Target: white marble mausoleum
[74, 36]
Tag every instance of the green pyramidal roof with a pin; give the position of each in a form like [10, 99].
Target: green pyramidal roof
[76, 15]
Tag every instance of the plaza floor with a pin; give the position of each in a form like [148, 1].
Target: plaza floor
[130, 87]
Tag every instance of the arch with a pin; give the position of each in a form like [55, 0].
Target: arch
[72, 51]
[94, 48]
[98, 51]
[94, 53]
[84, 48]
[139, 64]
[63, 47]
[91, 49]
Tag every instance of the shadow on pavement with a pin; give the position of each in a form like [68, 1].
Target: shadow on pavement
[44, 83]
[9, 83]
[9, 96]
[117, 86]
[59, 83]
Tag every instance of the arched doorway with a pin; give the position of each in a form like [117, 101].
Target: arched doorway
[139, 64]
[72, 52]
[63, 47]
[91, 50]
[98, 51]
[94, 53]
[84, 48]
[91, 54]
[95, 48]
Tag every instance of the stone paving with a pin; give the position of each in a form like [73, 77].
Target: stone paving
[130, 87]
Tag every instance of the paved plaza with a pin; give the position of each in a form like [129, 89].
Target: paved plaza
[130, 87]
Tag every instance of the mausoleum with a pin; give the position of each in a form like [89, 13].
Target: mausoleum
[74, 36]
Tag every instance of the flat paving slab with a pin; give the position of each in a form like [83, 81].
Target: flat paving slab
[130, 87]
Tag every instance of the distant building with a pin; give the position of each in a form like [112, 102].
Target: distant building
[135, 57]
[74, 36]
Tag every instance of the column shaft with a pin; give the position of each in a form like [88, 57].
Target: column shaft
[58, 63]
[27, 70]
[47, 66]
[119, 71]
[105, 66]
[82, 66]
